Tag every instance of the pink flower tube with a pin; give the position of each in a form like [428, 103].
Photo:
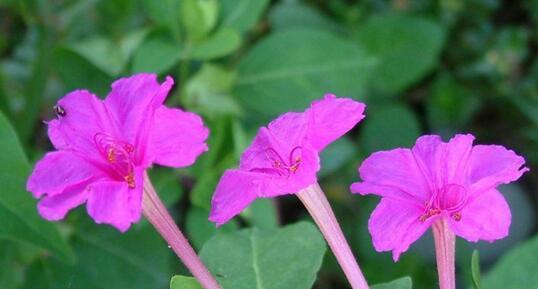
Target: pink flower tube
[451, 187]
[284, 159]
[104, 148]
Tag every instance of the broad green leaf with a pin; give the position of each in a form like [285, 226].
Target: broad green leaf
[18, 211]
[107, 55]
[200, 229]
[242, 15]
[199, 17]
[451, 106]
[289, 14]
[336, 155]
[184, 282]
[208, 92]
[11, 275]
[289, 69]
[407, 48]
[167, 184]
[138, 259]
[262, 213]
[164, 12]
[221, 43]
[158, 54]
[516, 269]
[401, 283]
[76, 72]
[388, 127]
[475, 270]
[286, 258]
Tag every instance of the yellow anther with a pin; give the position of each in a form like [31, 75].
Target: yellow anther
[130, 180]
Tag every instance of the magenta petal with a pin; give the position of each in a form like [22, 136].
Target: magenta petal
[395, 226]
[132, 103]
[393, 174]
[235, 191]
[114, 203]
[493, 165]
[332, 117]
[458, 152]
[289, 129]
[58, 170]
[486, 218]
[429, 153]
[178, 137]
[55, 207]
[84, 116]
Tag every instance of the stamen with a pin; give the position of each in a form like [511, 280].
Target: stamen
[129, 178]
[111, 155]
[279, 166]
[456, 216]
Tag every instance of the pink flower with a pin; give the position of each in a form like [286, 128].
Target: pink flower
[434, 180]
[104, 147]
[284, 156]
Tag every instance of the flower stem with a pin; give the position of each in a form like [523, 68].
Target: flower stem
[445, 250]
[158, 216]
[319, 208]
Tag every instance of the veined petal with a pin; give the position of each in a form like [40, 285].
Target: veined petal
[486, 218]
[395, 226]
[132, 103]
[493, 165]
[57, 171]
[55, 207]
[429, 153]
[393, 174]
[332, 117]
[235, 191]
[84, 116]
[116, 204]
[458, 152]
[178, 137]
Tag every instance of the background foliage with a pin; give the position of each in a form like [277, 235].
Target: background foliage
[441, 67]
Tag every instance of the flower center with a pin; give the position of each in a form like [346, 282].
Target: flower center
[280, 165]
[450, 200]
[119, 155]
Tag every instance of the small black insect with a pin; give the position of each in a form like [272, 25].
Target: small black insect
[59, 110]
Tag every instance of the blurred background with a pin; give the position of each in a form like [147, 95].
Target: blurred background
[441, 67]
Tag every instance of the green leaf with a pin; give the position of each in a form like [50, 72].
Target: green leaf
[164, 12]
[18, 211]
[262, 213]
[516, 269]
[200, 229]
[221, 43]
[407, 48]
[336, 155]
[107, 55]
[138, 259]
[184, 282]
[401, 283]
[242, 15]
[198, 17]
[158, 54]
[290, 14]
[208, 92]
[286, 258]
[290, 68]
[388, 127]
[167, 184]
[76, 72]
[475, 270]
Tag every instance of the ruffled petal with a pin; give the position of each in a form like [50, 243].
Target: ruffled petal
[55, 207]
[332, 117]
[493, 165]
[132, 103]
[429, 153]
[289, 130]
[393, 174]
[395, 226]
[57, 171]
[114, 203]
[84, 116]
[235, 191]
[458, 152]
[178, 137]
[486, 218]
